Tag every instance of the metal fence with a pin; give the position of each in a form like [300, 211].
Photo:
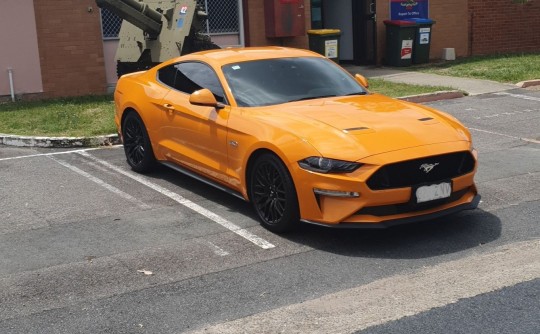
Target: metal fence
[110, 24]
[223, 18]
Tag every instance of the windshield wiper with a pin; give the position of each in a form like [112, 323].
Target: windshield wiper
[312, 98]
[356, 93]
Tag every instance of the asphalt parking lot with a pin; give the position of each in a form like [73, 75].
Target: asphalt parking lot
[89, 246]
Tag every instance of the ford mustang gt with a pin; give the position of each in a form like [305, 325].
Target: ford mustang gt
[297, 136]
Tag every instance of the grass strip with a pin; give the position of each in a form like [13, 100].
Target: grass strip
[394, 89]
[510, 68]
[67, 117]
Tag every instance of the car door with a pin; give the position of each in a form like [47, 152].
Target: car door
[194, 136]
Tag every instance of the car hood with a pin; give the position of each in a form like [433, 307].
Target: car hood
[356, 127]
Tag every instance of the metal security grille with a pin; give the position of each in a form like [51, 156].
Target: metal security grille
[223, 16]
[110, 24]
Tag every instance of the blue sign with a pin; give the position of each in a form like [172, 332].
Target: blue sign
[409, 9]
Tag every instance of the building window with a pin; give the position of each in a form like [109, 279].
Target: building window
[110, 24]
[223, 16]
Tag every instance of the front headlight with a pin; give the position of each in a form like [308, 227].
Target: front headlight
[325, 165]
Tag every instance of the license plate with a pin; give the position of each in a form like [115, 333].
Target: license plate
[433, 192]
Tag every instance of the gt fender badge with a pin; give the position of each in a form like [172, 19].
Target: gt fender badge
[233, 143]
[428, 167]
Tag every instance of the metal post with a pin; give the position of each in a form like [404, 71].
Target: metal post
[11, 85]
[207, 21]
[241, 23]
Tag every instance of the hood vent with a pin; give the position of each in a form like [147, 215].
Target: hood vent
[425, 119]
[355, 129]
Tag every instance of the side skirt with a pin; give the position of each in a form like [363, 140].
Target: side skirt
[203, 179]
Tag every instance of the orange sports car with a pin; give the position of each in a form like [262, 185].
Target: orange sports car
[297, 136]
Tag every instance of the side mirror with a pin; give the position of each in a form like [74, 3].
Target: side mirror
[361, 80]
[205, 98]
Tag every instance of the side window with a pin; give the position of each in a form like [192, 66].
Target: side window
[167, 75]
[195, 76]
[189, 77]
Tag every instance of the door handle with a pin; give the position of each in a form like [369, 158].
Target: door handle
[170, 108]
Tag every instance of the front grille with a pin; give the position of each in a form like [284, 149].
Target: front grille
[410, 173]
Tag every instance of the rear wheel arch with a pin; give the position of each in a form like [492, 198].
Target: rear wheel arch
[126, 112]
[137, 144]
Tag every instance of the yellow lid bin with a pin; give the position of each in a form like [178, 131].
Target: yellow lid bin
[324, 32]
[325, 42]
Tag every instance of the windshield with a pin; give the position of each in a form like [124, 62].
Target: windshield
[274, 81]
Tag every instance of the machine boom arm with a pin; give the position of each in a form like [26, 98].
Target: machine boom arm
[138, 14]
[154, 31]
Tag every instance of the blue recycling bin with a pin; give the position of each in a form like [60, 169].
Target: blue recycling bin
[422, 40]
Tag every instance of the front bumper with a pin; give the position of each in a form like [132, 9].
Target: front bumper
[406, 220]
[380, 208]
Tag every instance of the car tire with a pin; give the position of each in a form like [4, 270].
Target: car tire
[273, 194]
[137, 146]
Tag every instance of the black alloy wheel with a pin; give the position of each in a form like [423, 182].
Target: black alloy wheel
[273, 194]
[137, 145]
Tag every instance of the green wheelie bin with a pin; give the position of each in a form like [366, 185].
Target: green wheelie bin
[399, 42]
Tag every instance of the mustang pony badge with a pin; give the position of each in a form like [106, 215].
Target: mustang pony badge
[428, 167]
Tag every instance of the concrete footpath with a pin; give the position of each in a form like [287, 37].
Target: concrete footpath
[466, 85]
[462, 87]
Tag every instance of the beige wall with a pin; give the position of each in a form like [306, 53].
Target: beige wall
[109, 54]
[19, 47]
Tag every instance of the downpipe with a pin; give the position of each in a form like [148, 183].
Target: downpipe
[11, 85]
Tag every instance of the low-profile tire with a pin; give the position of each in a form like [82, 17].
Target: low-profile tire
[137, 146]
[273, 194]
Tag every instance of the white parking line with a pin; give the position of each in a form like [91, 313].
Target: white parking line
[187, 203]
[54, 153]
[520, 96]
[505, 135]
[102, 183]
[215, 248]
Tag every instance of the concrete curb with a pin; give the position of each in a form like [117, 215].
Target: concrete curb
[528, 83]
[436, 96]
[58, 142]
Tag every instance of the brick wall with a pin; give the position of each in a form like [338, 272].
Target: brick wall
[70, 47]
[502, 26]
[450, 31]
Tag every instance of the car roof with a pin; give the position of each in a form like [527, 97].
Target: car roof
[236, 55]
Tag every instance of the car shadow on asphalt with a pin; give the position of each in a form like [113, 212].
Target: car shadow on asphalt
[445, 235]
[203, 190]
